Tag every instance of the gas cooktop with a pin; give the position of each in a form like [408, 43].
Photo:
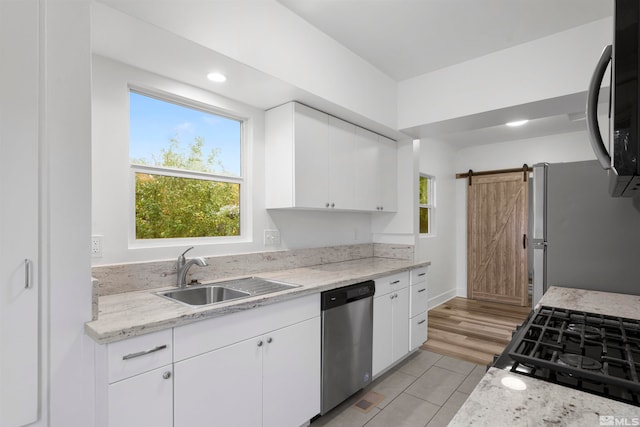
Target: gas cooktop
[590, 352]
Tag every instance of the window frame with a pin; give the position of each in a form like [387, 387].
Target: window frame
[431, 226]
[240, 179]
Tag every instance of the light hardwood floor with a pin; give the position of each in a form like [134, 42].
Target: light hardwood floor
[472, 330]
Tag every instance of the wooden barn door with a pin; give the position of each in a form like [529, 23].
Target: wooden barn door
[496, 238]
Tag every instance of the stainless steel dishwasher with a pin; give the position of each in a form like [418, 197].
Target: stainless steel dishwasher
[347, 335]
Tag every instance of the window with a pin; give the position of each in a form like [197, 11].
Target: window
[186, 164]
[427, 204]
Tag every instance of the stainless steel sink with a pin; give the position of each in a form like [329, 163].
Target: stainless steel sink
[204, 295]
[225, 291]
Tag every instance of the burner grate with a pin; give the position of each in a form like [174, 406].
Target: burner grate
[594, 351]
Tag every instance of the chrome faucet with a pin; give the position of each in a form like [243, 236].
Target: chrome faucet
[184, 265]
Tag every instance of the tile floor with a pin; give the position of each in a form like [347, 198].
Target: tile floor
[426, 389]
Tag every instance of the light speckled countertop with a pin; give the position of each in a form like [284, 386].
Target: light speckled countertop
[541, 403]
[135, 313]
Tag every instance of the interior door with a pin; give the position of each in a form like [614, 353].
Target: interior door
[19, 123]
[496, 238]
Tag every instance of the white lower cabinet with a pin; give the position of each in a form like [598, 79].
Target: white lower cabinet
[291, 375]
[390, 322]
[134, 382]
[269, 380]
[257, 367]
[419, 301]
[143, 400]
[220, 388]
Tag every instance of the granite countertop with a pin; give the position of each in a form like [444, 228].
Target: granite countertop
[124, 315]
[503, 398]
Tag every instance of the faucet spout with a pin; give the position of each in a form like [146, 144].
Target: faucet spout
[183, 267]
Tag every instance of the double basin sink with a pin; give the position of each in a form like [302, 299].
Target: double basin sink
[225, 291]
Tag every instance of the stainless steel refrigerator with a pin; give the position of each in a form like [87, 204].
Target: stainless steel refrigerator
[582, 237]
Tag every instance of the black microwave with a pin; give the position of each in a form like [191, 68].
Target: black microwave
[621, 155]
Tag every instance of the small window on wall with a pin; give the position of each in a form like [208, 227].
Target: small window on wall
[185, 163]
[427, 204]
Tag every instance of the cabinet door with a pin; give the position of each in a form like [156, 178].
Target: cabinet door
[387, 174]
[145, 400]
[400, 322]
[382, 333]
[418, 330]
[341, 164]
[311, 159]
[291, 374]
[366, 170]
[220, 388]
[419, 298]
[19, 124]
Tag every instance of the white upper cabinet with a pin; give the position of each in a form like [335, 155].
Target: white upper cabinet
[387, 167]
[366, 169]
[341, 164]
[297, 157]
[376, 172]
[317, 161]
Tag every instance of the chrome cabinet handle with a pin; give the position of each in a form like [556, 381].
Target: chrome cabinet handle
[326, 205]
[422, 321]
[421, 274]
[166, 375]
[397, 281]
[269, 340]
[144, 353]
[333, 205]
[27, 273]
[260, 343]
[422, 290]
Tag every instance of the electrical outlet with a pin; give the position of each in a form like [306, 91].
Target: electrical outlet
[271, 237]
[96, 246]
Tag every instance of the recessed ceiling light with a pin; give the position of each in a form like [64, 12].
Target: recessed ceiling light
[217, 77]
[517, 123]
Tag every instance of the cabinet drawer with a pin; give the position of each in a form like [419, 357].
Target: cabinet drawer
[418, 275]
[394, 282]
[418, 330]
[419, 298]
[207, 335]
[139, 354]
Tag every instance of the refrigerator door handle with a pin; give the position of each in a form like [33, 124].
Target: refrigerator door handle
[592, 110]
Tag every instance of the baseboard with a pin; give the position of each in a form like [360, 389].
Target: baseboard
[442, 298]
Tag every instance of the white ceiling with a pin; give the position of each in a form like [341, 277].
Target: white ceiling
[406, 38]
[402, 38]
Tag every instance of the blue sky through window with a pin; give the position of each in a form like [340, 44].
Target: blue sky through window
[153, 123]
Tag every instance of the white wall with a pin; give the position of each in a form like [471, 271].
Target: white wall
[568, 147]
[111, 186]
[543, 69]
[438, 159]
[269, 37]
